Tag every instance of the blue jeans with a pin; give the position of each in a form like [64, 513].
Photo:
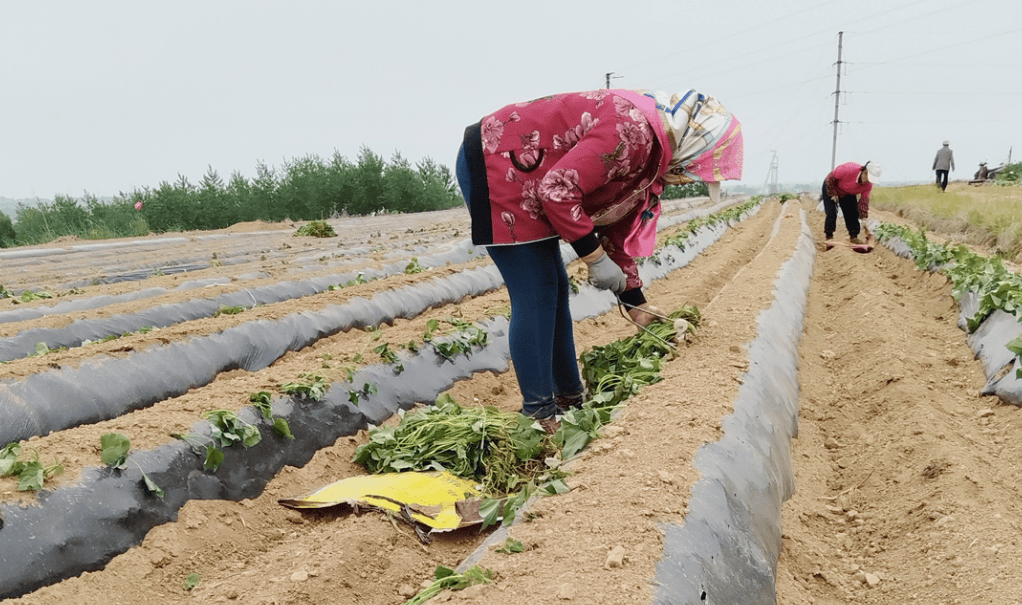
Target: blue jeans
[541, 334]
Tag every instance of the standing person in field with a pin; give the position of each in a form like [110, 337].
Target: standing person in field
[587, 168]
[848, 187]
[942, 163]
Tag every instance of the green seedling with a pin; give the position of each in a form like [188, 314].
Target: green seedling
[28, 296]
[262, 402]
[445, 578]
[229, 310]
[355, 396]
[114, 453]
[191, 581]
[511, 547]
[226, 430]
[309, 386]
[413, 267]
[31, 474]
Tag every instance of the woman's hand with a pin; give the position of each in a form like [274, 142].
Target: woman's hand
[604, 273]
[646, 313]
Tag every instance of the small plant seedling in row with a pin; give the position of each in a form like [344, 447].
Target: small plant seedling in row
[114, 453]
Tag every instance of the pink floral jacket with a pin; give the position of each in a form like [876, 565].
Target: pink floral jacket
[583, 166]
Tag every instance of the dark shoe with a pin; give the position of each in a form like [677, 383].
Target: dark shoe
[550, 425]
[828, 236]
[569, 402]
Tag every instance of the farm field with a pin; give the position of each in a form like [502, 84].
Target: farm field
[905, 478]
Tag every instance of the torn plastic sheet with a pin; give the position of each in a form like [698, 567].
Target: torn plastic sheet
[439, 500]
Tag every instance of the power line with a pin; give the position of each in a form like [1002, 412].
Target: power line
[926, 52]
[758, 26]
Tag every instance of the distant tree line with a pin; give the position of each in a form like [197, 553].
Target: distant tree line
[306, 188]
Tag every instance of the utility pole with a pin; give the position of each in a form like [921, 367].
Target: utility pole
[609, 75]
[837, 98]
[771, 181]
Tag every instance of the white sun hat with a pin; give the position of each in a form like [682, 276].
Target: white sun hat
[873, 171]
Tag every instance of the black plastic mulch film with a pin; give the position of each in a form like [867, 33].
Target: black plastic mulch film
[79, 331]
[81, 527]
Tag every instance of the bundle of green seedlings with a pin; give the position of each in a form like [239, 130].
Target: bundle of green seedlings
[509, 454]
[500, 449]
[316, 229]
[616, 371]
[445, 578]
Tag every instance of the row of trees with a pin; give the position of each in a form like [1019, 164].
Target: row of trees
[307, 188]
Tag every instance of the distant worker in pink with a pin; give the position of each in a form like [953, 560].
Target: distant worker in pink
[848, 187]
[586, 168]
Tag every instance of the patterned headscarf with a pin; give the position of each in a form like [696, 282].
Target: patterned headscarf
[705, 136]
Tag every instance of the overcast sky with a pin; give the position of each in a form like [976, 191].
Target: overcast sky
[103, 97]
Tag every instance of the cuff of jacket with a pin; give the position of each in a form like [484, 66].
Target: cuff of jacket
[585, 245]
[633, 297]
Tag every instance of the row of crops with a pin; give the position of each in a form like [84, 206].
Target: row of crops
[114, 504]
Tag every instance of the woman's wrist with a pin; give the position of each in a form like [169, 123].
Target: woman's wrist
[593, 256]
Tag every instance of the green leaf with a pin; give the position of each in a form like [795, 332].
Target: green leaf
[191, 581]
[250, 435]
[574, 440]
[281, 427]
[511, 547]
[262, 401]
[115, 448]
[31, 477]
[9, 464]
[489, 510]
[557, 486]
[442, 572]
[214, 458]
[151, 486]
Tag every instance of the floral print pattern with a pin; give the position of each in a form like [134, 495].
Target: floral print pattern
[493, 130]
[561, 160]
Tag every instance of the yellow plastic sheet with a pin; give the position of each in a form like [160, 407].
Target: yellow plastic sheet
[439, 500]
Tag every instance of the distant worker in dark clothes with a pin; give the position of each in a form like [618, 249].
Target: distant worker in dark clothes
[942, 163]
[848, 187]
[586, 168]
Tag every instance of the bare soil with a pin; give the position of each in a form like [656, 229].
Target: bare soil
[907, 480]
